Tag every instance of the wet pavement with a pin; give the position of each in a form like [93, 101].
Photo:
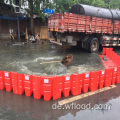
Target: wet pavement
[26, 59]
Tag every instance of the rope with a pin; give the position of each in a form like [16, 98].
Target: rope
[50, 62]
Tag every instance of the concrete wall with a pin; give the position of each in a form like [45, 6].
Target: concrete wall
[4, 30]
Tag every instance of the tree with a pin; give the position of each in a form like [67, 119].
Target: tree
[98, 3]
[115, 4]
[31, 16]
[37, 7]
[65, 5]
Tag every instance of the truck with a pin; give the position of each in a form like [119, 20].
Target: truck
[87, 26]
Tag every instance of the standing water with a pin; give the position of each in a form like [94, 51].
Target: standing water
[27, 58]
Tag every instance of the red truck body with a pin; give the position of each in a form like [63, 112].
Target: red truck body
[66, 24]
[81, 23]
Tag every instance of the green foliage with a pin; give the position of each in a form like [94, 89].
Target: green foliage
[65, 5]
[115, 4]
[36, 7]
[1, 1]
[40, 11]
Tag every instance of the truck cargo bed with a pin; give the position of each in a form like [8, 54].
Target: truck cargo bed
[80, 23]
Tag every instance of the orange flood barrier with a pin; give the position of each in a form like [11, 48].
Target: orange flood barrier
[54, 86]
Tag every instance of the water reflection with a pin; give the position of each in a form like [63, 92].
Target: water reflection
[30, 108]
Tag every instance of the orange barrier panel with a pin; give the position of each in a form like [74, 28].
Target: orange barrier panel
[14, 82]
[114, 57]
[94, 79]
[57, 87]
[86, 81]
[8, 81]
[111, 55]
[114, 76]
[81, 81]
[119, 60]
[28, 85]
[107, 53]
[118, 75]
[47, 87]
[108, 77]
[66, 85]
[21, 88]
[76, 84]
[101, 78]
[2, 82]
[104, 51]
[37, 91]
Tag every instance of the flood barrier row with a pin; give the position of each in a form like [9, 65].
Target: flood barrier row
[110, 58]
[54, 86]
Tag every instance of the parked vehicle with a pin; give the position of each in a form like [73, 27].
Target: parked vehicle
[88, 25]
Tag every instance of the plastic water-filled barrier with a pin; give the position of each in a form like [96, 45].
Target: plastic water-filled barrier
[53, 86]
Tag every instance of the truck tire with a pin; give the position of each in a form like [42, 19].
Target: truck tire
[93, 45]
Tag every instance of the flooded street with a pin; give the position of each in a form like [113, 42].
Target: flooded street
[27, 58]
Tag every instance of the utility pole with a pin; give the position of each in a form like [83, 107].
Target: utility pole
[18, 29]
[48, 26]
[31, 18]
[17, 2]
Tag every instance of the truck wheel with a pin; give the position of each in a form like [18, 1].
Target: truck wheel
[93, 45]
